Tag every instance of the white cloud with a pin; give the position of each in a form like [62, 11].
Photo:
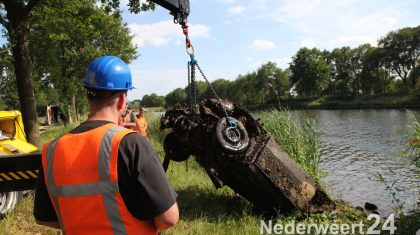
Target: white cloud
[164, 32]
[160, 81]
[123, 4]
[329, 21]
[163, 81]
[237, 10]
[308, 42]
[226, 1]
[351, 41]
[282, 63]
[259, 44]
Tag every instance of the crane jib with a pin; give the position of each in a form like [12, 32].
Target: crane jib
[180, 9]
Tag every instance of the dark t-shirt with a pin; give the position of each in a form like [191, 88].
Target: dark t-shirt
[143, 185]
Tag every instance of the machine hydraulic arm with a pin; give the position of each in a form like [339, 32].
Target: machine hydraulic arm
[180, 9]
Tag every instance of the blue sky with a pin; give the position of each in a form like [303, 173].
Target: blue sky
[233, 37]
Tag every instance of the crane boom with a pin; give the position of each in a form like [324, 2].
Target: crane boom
[180, 9]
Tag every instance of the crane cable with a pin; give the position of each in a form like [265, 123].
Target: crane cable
[192, 64]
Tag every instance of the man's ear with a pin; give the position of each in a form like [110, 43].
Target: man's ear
[121, 101]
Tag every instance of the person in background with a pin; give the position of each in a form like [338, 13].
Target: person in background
[49, 115]
[102, 178]
[128, 119]
[141, 123]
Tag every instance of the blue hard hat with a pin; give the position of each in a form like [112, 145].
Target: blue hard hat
[108, 73]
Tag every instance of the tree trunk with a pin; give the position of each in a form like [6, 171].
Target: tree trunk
[73, 106]
[23, 71]
[18, 28]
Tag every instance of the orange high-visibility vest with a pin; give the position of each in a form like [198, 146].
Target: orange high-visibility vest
[141, 126]
[82, 181]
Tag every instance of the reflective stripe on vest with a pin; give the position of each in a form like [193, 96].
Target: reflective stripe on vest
[104, 186]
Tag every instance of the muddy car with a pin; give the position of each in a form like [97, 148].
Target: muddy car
[235, 150]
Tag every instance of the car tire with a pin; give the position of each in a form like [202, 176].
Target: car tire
[9, 200]
[233, 139]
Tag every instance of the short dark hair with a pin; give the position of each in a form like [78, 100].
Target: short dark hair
[95, 94]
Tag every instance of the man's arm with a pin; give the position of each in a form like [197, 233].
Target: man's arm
[44, 212]
[152, 197]
[168, 218]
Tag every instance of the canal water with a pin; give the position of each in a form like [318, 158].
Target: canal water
[356, 145]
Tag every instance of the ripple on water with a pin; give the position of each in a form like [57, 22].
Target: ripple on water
[356, 145]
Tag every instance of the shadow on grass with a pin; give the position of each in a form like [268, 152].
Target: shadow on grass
[198, 203]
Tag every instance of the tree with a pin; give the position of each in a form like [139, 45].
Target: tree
[135, 104]
[153, 100]
[177, 96]
[8, 94]
[343, 70]
[311, 73]
[220, 86]
[401, 51]
[135, 6]
[415, 76]
[360, 54]
[282, 82]
[347, 64]
[15, 18]
[201, 90]
[66, 38]
[374, 78]
[242, 89]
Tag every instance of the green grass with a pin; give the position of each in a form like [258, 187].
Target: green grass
[300, 142]
[413, 143]
[56, 131]
[204, 209]
[365, 100]
[21, 222]
[358, 101]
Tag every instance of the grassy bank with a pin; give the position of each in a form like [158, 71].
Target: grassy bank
[411, 100]
[205, 210]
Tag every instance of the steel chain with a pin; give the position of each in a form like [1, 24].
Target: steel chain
[191, 78]
[214, 92]
[189, 87]
[193, 93]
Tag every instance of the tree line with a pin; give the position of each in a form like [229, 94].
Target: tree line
[50, 43]
[391, 67]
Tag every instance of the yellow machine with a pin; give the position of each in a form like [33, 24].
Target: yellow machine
[12, 135]
[19, 160]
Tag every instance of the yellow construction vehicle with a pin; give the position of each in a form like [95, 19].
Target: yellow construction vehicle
[19, 161]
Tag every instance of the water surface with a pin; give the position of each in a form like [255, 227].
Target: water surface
[357, 144]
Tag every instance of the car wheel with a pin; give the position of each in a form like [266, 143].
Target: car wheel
[9, 200]
[232, 138]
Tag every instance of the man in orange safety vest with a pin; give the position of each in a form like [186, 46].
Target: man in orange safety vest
[141, 122]
[102, 178]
